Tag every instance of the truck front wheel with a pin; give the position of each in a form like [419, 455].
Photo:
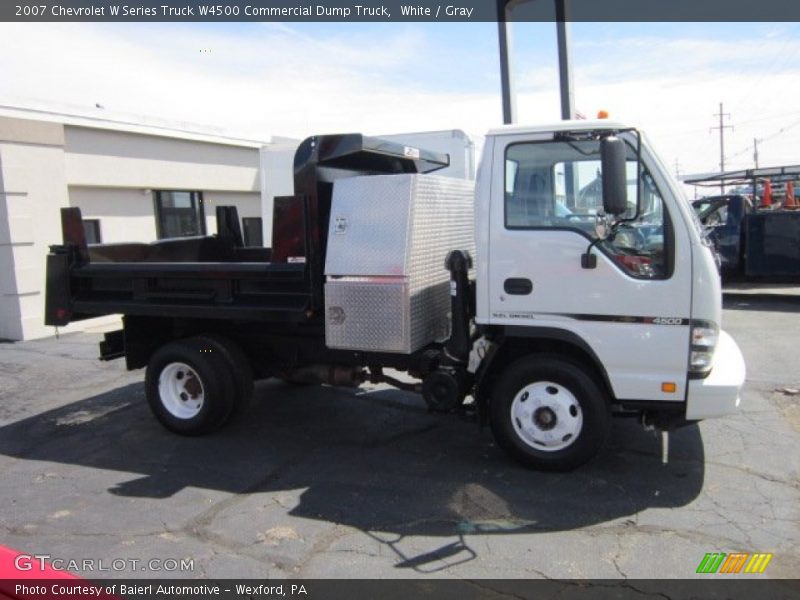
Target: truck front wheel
[549, 414]
[189, 387]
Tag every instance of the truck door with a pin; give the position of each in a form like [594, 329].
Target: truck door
[633, 310]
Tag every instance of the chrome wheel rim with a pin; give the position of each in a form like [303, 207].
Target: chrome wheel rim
[546, 416]
[181, 390]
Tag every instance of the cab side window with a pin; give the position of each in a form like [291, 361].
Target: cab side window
[558, 185]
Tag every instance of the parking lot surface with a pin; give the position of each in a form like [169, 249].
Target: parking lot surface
[327, 482]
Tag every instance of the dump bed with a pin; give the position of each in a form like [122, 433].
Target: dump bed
[772, 245]
[215, 276]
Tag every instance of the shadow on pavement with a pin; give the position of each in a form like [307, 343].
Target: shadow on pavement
[761, 302]
[373, 460]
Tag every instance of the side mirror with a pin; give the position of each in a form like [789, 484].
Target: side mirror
[615, 184]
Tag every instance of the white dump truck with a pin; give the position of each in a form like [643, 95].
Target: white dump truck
[571, 283]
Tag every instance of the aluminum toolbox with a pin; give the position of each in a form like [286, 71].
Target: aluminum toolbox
[387, 289]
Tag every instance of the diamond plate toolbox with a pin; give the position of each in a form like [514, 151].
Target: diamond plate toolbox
[387, 289]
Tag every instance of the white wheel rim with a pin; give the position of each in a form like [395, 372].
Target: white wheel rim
[181, 390]
[546, 416]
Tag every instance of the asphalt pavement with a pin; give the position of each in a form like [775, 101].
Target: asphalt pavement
[327, 482]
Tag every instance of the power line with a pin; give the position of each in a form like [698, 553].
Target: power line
[781, 130]
[756, 141]
[778, 61]
[769, 118]
[671, 134]
[737, 154]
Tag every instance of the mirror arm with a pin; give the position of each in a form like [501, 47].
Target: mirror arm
[589, 260]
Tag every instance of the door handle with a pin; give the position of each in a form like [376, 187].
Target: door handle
[518, 286]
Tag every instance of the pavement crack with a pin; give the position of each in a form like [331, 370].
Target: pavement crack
[321, 546]
[205, 518]
[615, 562]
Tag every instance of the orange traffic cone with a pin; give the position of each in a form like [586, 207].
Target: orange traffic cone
[766, 198]
[790, 201]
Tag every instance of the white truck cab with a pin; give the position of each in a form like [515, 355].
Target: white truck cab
[574, 308]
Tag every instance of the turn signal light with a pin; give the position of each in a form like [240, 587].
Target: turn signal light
[668, 387]
[603, 114]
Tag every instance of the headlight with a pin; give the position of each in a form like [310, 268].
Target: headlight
[700, 362]
[703, 342]
[704, 336]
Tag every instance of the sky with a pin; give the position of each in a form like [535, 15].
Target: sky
[257, 80]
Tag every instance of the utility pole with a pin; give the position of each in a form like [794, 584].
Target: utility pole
[506, 80]
[567, 89]
[722, 129]
[755, 151]
[564, 61]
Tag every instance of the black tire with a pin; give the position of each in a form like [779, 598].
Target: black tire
[587, 423]
[206, 367]
[239, 366]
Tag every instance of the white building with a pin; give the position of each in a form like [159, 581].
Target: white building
[133, 183]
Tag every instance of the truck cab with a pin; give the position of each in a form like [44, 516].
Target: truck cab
[625, 308]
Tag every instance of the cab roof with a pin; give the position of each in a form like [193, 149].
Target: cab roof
[570, 125]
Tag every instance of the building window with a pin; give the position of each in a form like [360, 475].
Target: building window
[251, 228]
[91, 228]
[179, 214]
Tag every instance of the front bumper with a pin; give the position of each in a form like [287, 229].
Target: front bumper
[718, 394]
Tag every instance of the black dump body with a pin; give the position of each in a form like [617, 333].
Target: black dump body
[772, 246]
[215, 277]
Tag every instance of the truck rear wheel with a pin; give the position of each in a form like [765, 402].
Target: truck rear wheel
[239, 367]
[549, 414]
[189, 387]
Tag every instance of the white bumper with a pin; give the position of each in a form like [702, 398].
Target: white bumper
[718, 394]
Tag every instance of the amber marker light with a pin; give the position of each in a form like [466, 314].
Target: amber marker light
[602, 114]
[668, 387]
